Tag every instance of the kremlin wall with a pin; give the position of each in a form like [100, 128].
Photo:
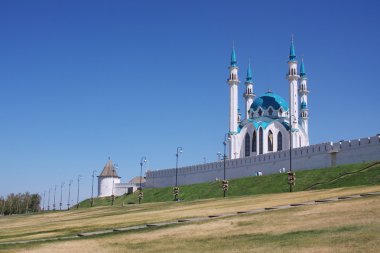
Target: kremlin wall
[304, 158]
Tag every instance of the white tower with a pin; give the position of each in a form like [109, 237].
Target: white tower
[107, 180]
[293, 77]
[249, 95]
[233, 82]
[303, 92]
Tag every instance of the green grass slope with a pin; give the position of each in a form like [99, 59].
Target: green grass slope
[332, 177]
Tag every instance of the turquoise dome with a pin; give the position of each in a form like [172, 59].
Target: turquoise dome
[270, 99]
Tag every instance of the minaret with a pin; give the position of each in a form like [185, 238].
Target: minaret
[293, 77]
[233, 82]
[303, 92]
[249, 95]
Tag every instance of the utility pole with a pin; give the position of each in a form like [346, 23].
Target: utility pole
[49, 200]
[176, 188]
[55, 190]
[60, 202]
[141, 194]
[92, 188]
[114, 166]
[43, 202]
[68, 200]
[225, 182]
[79, 177]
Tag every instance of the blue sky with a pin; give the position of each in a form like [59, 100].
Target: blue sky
[84, 80]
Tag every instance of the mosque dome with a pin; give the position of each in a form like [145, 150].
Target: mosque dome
[269, 99]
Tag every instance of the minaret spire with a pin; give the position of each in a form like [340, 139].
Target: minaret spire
[233, 56]
[292, 53]
[249, 95]
[303, 92]
[302, 69]
[233, 82]
[293, 93]
[249, 72]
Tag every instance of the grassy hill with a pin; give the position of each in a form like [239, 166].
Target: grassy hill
[332, 177]
[343, 226]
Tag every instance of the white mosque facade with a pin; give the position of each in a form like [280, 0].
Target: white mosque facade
[265, 127]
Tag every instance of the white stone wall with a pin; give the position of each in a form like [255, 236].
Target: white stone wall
[304, 158]
[123, 188]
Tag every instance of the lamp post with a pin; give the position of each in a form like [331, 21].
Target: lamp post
[49, 200]
[79, 177]
[92, 188]
[113, 183]
[43, 202]
[55, 190]
[227, 137]
[60, 202]
[141, 195]
[291, 175]
[176, 188]
[68, 200]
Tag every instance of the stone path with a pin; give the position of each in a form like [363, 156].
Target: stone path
[197, 219]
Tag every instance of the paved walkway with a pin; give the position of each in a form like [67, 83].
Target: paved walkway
[197, 219]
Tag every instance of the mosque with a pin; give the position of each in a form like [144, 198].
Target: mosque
[273, 134]
[270, 123]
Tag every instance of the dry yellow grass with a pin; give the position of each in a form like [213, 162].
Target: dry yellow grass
[335, 226]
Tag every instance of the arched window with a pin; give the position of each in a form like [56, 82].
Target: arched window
[254, 142]
[279, 141]
[270, 141]
[260, 141]
[270, 111]
[260, 112]
[247, 145]
[300, 142]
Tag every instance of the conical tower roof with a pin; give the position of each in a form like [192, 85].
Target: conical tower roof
[302, 69]
[109, 170]
[233, 58]
[292, 53]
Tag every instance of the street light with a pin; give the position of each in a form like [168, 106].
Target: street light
[291, 174]
[60, 202]
[113, 183]
[176, 188]
[68, 200]
[141, 195]
[55, 190]
[79, 177]
[43, 202]
[49, 200]
[227, 137]
[92, 188]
